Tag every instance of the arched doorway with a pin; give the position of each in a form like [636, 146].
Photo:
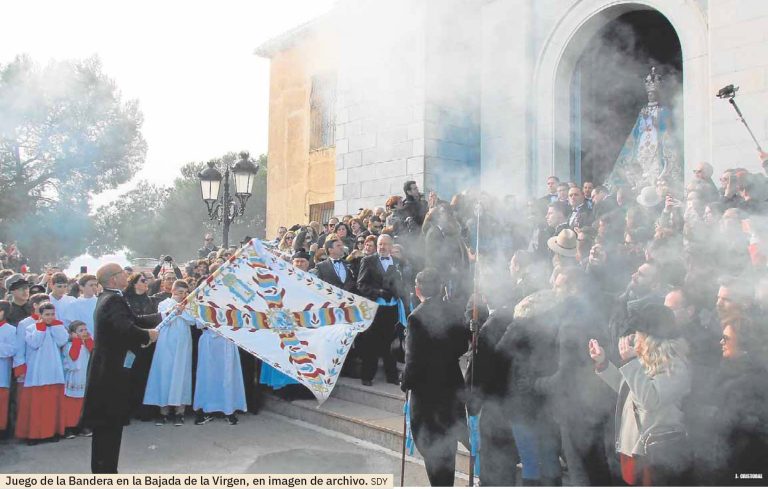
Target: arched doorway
[553, 134]
[607, 88]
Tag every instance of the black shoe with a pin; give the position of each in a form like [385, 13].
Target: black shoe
[162, 420]
[201, 419]
[31, 443]
[366, 382]
[393, 380]
[178, 420]
[231, 419]
[86, 432]
[69, 434]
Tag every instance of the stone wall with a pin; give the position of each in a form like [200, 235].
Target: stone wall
[297, 177]
[380, 105]
[738, 38]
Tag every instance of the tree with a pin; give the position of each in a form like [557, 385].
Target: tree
[151, 221]
[65, 133]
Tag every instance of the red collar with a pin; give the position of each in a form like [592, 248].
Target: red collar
[55, 322]
[3, 323]
[35, 317]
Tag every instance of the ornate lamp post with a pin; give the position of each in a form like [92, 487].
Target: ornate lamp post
[223, 207]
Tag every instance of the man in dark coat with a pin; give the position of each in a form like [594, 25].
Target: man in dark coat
[107, 395]
[435, 340]
[336, 271]
[380, 280]
[414, 206]
[583, 404]
[488, 375]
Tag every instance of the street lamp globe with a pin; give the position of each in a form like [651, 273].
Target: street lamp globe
[210, 182]
[245, 174]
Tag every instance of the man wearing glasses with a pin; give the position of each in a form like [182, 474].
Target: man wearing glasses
[108, 392]
[208, 247]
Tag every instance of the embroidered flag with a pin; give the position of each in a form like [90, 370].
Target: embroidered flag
[288, 318]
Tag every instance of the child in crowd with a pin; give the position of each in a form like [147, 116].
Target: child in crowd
[44, 380]
[20, 357]
[219, 386]
[82, 308]
[59, 288]
[76, 355]
[7, 349]
[170, 377]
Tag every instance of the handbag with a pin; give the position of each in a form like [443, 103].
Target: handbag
[665, 446]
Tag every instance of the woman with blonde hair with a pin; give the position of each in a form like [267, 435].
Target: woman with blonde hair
[650, 435]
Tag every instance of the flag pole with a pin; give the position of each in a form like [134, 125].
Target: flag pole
[405, 435]
[473, 329]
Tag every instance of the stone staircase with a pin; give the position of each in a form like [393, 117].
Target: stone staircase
[373, 414]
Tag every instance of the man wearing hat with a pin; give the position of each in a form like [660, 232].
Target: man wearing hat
[564, 244]
[301, 260]
[18, 287]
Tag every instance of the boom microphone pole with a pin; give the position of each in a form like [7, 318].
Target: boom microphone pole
[729, 92]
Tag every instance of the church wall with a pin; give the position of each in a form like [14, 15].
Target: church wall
[739, 55]
[297, 177]
[506, 85]
[380, 138]
[452, 117]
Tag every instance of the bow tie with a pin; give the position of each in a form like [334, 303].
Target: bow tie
[385, 258]
[338, 261]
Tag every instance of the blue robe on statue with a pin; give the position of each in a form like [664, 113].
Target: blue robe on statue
[649, 152]
[170, 377]
[219, 385]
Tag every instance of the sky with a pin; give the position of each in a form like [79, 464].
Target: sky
[190, 64]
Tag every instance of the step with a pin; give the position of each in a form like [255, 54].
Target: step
[381, 395]
[378, 426]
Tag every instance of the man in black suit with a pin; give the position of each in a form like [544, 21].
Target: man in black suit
[335, 270]
[435, 340]
[380, 280]
[107, 395]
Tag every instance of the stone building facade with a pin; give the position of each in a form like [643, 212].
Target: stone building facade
[455, 93]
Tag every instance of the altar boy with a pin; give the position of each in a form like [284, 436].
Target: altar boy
[170, 377]
[44, 380]
[76, 355]
[7, 349]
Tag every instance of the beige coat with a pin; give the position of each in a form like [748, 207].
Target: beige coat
[657, 400]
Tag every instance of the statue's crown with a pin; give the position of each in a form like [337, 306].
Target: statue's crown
[653, 81]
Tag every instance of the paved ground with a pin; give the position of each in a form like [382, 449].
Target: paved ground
[266, 443]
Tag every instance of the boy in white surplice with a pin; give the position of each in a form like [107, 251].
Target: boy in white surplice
[170, 377]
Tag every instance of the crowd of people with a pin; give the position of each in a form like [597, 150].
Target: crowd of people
[618, 332]
[47, 336]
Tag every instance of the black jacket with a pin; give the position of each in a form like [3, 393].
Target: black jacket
[108, 391]
[373, 282]
[417, 209]
[142, 304]
[435, 339]
[741, 419]
[490, 368]
[327, 273]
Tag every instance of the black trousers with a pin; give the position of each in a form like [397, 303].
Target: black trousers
[438, 422]
[139, 376]
[105, 449]
[498, 452]
[586, 451]
[376, 342]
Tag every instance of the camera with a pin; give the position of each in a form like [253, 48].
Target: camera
[168, 258]
[728, 91]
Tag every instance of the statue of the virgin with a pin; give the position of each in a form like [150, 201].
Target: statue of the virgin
[650, 151]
